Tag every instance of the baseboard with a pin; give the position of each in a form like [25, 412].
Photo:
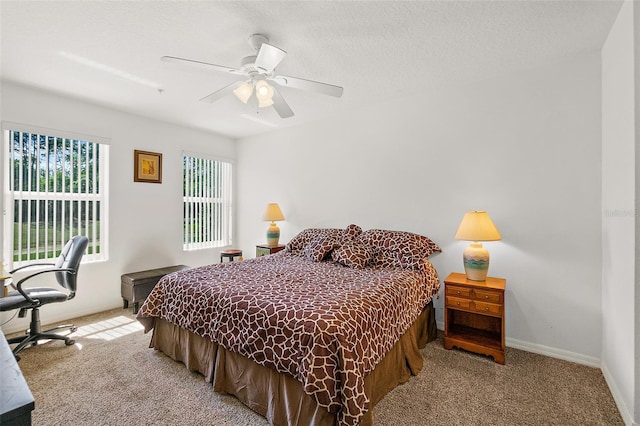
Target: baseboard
[545, 350]
[553, 352]
[617, 397]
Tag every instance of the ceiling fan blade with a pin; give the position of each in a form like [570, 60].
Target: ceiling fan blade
[204, 65]
[281, 107]
[269, 57]
[313, 86]
[218, 94]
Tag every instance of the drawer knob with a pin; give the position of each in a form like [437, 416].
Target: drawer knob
[458, 303]
[486, 297]
[457, 292]
[486, 308]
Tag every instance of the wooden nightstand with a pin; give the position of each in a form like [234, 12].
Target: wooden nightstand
[264, 250]
[474, 315]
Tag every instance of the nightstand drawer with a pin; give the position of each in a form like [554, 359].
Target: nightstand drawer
[262, 251]
[266, 250]
[452, 290]
[487, 308]
[456, 302]
[487, 296]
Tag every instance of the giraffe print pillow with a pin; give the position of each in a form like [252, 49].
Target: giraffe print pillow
[313, 242]
[351, 232]
[397, 249]
[298, 243]
[352, 254]
[320, 247]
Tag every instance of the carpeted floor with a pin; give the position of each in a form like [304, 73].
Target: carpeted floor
[111, 377]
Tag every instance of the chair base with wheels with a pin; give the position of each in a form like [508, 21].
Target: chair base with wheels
[32, 298]
[35, 333]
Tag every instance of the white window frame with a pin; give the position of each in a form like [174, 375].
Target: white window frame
[212, 194]
[98, 196]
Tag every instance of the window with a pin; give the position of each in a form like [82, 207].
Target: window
[207, 202]
[54, 189]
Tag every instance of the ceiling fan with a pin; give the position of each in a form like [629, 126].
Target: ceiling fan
[257, 72]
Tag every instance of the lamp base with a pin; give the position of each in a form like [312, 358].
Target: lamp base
[476, 262]
[273, 234]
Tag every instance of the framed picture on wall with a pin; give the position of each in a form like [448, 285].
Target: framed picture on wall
[147, 166]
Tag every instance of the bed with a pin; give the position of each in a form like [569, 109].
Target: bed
[315, 334]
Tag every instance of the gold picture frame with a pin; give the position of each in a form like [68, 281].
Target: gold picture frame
[147, 166]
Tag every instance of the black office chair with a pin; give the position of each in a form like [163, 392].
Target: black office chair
[66, 271]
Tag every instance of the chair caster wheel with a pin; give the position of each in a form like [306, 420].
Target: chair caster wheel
[69, 342]
[73, 329]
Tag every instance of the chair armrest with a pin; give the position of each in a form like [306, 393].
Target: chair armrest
[25, 295]
[30, 266]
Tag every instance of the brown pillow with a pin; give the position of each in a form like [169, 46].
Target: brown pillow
[320, 247]
[397, 248]
[352, 231]
[352, 254]
[302, 240]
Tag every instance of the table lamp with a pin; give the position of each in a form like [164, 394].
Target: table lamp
[476, 226]
[273, 213]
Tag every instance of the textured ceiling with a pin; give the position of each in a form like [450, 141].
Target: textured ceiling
[108, 52]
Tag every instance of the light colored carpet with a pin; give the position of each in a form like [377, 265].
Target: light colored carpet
[111, 377]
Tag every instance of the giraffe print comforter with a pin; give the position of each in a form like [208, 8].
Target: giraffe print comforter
[325, 324]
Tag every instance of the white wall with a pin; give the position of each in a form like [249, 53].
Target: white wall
[619, 335]
[525, 147]
[636, 50]
[145, 219]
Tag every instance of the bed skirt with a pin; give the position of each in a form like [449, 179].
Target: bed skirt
[278, 396]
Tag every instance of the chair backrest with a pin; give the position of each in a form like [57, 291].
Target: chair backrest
[70, 257]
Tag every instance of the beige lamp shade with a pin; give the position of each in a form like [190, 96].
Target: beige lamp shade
[273, 213]
[477, 226]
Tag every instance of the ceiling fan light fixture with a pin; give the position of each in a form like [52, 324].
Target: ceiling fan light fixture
[244, 91]
[264, 93]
